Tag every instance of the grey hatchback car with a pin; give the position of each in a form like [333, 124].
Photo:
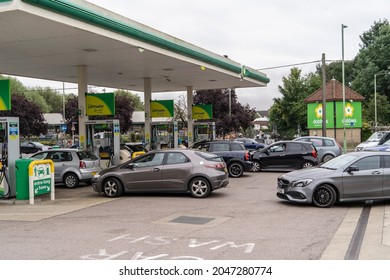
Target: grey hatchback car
[71, 166]
[327, 148]
[173, 170]
[356, 176]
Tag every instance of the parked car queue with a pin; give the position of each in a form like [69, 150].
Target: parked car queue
[356, 176]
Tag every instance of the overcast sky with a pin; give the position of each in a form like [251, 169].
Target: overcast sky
[258, 33]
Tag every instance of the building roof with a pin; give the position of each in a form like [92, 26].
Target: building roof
[53, 118]
[334, 92]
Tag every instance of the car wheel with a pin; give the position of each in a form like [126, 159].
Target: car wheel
[327, 158]
[199, 187]
[236, 169]
[112, 187]
[307, 164]
[71, 180]
[324, 196]
[256, 166]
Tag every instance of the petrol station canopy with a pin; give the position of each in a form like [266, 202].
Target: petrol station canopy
[49, 39]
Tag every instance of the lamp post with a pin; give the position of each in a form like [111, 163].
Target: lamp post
[375, 110]
[343, 77]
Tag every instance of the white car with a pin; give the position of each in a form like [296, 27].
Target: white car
[378, 138]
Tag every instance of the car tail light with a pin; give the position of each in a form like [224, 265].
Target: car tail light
[314, 153]
[82, 164]
[247, 155]
[218, 165]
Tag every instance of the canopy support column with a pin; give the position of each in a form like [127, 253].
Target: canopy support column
[147, 98]
[190, 124]
[82, 76]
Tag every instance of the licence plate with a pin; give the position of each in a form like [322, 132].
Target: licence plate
[280, 190]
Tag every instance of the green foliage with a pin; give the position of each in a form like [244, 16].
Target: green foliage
[289, 113]
[382, 107]
[373, 59]
[31, 120]
[39, 100]
[240, 117]
[54, 100]
[136, 100]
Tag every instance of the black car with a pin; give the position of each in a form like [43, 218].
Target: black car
[234, 153]
[286, 156]
[32, 147]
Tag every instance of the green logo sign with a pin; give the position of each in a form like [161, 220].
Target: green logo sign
[202, 112]
[353, 114]
[161, 108]
[5, 95]
[100, 104]
[314, 115]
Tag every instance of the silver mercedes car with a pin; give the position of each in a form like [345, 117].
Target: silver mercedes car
[356, 176]
[174, 170]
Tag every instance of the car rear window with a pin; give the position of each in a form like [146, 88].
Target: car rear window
[328, 142]
[237, 147]
[208, 156]
[295, 147]
[86, 155]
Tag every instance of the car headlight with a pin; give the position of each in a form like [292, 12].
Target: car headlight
[301, 183]
[96, 176]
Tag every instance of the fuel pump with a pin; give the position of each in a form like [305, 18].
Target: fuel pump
[204, 131]
[109, 138]
[10, 152]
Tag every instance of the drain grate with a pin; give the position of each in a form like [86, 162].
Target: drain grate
[191, 220]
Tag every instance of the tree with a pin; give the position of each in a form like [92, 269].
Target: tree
[240, 117]
[373, 58]
[71, 112]
[54, 100]
[181, 110]
[124, 108]
[31, 120]
[383, 110]
[289, 113]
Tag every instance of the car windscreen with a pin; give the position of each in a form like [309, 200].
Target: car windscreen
[340, 161]
[86, 155]
[375, 137]
[209, 156]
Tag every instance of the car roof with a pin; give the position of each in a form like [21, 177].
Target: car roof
[218, 141]
[315, 137]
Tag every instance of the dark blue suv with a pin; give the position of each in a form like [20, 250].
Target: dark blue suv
[250, 144]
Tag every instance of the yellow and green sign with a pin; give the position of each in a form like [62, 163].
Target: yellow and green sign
[334, 115]
[202, 112]
[353, 114]
[100, 104]
[5, 95]
[161, 108]
[314, 115]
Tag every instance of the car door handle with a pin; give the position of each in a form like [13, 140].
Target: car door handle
[375, 172]
[156, 169]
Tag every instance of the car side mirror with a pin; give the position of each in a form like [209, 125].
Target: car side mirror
[267, 152]
[352, 168]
